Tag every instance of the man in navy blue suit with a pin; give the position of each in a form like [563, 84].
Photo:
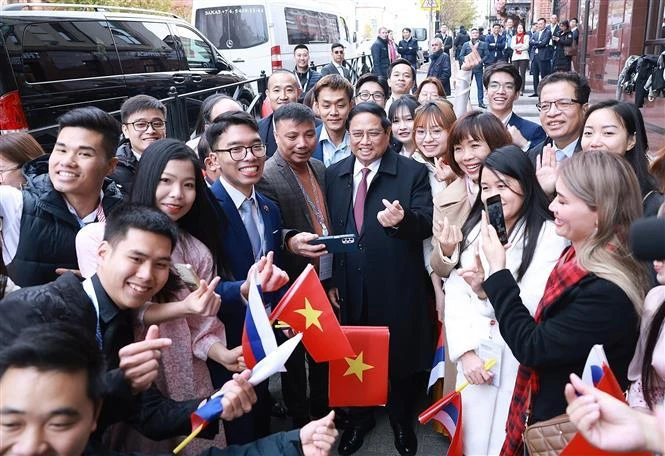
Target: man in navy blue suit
[541, 64]
[333, 97]
[496, 43]
[253, 231]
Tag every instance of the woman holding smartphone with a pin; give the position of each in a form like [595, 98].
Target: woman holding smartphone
[593, 295]
[509, 186]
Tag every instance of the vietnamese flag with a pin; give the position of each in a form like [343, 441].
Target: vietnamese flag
[361, 380]
[305, 306]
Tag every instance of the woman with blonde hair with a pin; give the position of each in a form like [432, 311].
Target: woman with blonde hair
[593, 295]
[16, 149]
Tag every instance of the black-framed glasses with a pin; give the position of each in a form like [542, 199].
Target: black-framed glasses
[563, 104]
[366, 96]
[238, 153]
[338, 52]
[142, 125]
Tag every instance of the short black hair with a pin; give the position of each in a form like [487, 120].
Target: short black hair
[407, 29]
[541, 19]
[206, 110]
[581, 84]
[222, 122]
[56, 346]
[140, 103]
[336, 45]
[296, 112]
[94, 119]
[402, 61]
[140, 217]
[503, 67]
[371, 77]
[300, 46]
[370, 108]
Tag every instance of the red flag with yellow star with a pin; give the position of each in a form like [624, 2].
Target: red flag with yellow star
[362, 379]
[306, 308]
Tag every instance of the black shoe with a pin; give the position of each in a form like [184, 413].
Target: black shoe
[405, 439]
[351, 441]
[533, 95]
[482, 105]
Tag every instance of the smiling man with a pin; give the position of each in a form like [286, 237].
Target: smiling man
[282, 87]
[143, 122]
[40, 223]
[401, 79]
[333, 97]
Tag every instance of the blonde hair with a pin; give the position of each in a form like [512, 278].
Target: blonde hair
[608, 185]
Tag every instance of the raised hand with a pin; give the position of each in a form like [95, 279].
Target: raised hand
[318, 437]
[494, 251]
[547, 169]
[443, 172]
[140, 361]
[392, 215]
[473, 59]
[203, 301]
[449, 236]
[475, 276]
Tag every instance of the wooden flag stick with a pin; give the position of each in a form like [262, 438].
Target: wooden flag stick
[188, 440]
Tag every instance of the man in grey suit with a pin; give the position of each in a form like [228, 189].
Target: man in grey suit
[295, 182]
[338, 65]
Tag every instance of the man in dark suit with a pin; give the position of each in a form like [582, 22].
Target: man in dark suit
[253, 231]
[541, 64]
[134, 261]
[295, 182]
[333, 97]
[563, 101]
[478, 44]
[380, 54]
[282, 87]
[385, 200]
[338, 65]
[307, 76]
[496, 43]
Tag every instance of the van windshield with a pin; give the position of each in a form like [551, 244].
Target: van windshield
[308, 27]
[233, 27]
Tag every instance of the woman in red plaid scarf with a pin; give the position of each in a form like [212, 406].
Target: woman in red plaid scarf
[473, 335]
[593, 295]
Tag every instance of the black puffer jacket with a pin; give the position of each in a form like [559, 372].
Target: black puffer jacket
[47, 239]
[124, 173]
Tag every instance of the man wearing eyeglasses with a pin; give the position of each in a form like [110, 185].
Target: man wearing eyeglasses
[562, 101]
[372, 88]
[253, 231]
[338, 65]
[143, 122]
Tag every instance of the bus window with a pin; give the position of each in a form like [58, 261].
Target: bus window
[307, 27]
[233, 27]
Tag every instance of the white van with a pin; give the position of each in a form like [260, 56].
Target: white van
[261, 35]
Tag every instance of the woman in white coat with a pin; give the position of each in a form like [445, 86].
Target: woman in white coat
[472, 331]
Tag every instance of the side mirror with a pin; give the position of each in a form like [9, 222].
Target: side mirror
[420, 34]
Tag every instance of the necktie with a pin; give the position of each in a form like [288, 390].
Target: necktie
[560, 156]
[250, 226]
[359, 205]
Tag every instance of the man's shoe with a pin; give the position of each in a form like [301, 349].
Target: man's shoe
[351, 441]
[482, 105]
[533, 95]
[405, 439]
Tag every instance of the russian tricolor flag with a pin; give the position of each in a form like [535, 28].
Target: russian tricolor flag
[597, 372]
[448, 412]
[258, 339]
[438, 366]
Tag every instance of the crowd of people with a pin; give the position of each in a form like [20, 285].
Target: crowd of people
[102, 336]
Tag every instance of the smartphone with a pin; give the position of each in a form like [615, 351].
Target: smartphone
[496, 219]
[340, 243]
[188, 276]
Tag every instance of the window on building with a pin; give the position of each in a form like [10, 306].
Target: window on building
[655, 39]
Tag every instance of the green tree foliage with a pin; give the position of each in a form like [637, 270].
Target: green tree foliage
[454, 13]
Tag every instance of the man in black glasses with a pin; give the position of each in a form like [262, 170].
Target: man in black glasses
[253, 231]
[338, 65]
[143, 122]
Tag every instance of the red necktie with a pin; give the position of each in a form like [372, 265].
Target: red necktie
[359, 205]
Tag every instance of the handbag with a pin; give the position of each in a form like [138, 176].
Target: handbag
[570, 51]
[549, 437]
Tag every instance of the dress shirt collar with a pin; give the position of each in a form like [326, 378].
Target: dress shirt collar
[569, 150]
[236, 195]
[373, 167]
[107, 308]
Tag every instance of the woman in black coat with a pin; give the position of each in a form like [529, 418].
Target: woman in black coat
[563, 39]
[592, 296]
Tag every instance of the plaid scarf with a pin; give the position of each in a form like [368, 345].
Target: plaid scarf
[565, 275]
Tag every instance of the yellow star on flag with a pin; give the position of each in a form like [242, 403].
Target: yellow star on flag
[357, 366]
[311, 315]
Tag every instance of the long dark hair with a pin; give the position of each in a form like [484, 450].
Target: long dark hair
[631, 118]
[648, 372]
[203, 221]
[512, 161]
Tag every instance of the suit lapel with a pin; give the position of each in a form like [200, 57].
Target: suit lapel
[268, 226]
[290, 179]
[235, 222]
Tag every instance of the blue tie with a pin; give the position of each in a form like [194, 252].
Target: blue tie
[560, 155]
[250, 226]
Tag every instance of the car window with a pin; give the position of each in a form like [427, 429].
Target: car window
[54, 51]
[145, 47]
[198, 53]
[305, 26]
[233, 27]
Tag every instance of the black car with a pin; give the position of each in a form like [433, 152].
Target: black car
[54, 59]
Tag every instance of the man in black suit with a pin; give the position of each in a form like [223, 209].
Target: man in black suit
[541, 64]
[338, 65]
[282, 88]
[385, 200]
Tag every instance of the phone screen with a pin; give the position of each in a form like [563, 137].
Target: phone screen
[496, 219]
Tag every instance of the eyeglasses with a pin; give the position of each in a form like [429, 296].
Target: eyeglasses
[376, 96]
[338, 52]
[564, 104]
[435, 133]
[142, 125]
[372, 135]
[238, 153]
[508, 86]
